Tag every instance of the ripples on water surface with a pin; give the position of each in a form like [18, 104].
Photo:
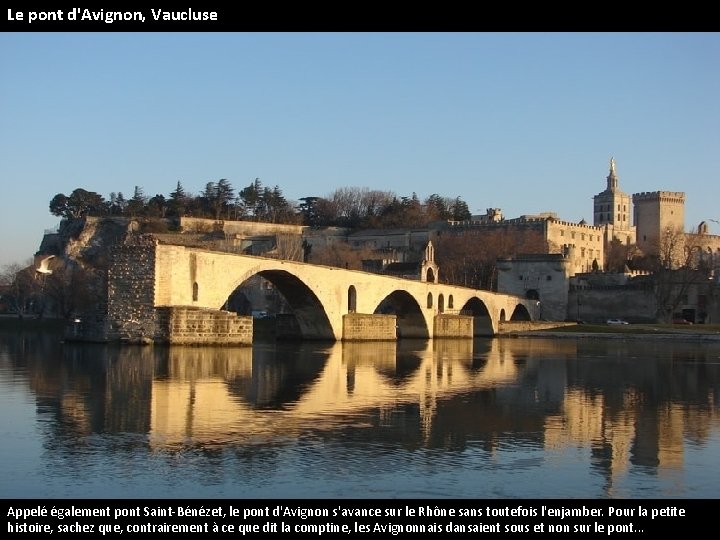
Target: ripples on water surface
[495, 418]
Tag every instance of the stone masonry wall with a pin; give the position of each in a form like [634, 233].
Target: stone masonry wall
[512, 327]
[453, 326]
[186, 325]
[363, 327]
[131, 292]
[597, 305]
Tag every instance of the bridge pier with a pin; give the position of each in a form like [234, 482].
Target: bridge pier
[453, 326]
[182, 325]
[365, 327]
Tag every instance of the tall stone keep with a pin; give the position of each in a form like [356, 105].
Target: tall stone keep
[657, 212]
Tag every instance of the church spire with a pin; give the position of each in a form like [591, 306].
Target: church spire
[612, 179]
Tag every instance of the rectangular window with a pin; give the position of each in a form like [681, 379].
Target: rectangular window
[520, 278]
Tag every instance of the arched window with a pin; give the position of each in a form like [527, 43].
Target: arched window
[429, 300]
[450, 301]
[195, 292]
[441, 303]
[352, 299]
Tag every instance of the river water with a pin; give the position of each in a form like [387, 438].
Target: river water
[485, 418]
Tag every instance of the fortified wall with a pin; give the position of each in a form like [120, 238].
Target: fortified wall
[242, 228]
[586, 240]
[596, 305]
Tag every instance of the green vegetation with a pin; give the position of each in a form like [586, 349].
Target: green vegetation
[345, 207]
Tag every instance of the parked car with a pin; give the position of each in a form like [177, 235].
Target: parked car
[681, 321]
[616, 321]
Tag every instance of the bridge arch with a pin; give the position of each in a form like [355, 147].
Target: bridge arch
[409, 317]
[482, 321]
[521, 313]
[307, 308]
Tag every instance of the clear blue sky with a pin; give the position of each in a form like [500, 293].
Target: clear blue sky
[526, 122]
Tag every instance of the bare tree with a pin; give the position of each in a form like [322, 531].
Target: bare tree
[341, 255]
[19, 287]
[675, 265]
[289, 247]
[469, 257]
[618, 254]
[70, 289]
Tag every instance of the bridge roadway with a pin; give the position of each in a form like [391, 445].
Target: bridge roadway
[321, 296]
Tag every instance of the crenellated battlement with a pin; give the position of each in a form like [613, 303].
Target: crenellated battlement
[526, 220]
[595, 228]
[664, 196]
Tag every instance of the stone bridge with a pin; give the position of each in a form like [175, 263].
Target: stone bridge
[175, 294]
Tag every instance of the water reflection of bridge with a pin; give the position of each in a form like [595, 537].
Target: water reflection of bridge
[552, 395]
[354, 378]
[503, 386]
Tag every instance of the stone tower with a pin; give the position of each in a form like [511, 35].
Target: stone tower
[612, 211]
[655, 213]
[612, 206]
